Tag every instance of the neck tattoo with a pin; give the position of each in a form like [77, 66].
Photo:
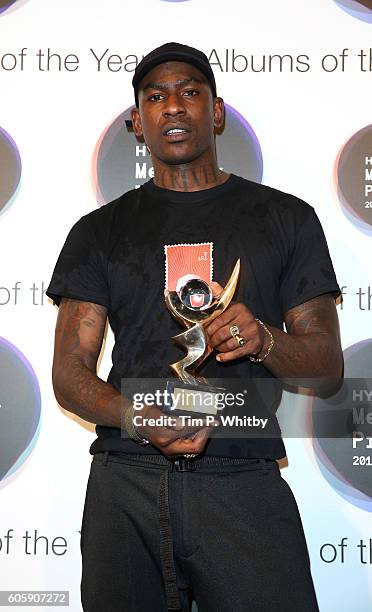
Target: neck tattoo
[191, 179]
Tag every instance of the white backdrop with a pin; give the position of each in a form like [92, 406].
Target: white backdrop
[302, 119]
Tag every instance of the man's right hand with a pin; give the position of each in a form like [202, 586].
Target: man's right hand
[176, 438]
[78, 341]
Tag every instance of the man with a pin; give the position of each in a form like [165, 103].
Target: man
[161, 528]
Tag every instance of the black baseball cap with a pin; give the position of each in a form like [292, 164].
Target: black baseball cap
[173, 52]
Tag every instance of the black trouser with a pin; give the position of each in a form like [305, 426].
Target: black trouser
[225, 532]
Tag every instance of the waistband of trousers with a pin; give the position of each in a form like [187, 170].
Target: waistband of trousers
[202, 463]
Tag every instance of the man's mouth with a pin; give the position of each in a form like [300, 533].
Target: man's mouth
[176, 133]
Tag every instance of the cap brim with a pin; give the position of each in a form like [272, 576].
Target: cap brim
[172, 57]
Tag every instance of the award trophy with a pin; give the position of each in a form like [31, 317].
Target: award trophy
[192, 304]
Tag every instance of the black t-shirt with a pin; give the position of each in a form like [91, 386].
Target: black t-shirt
[114, 256]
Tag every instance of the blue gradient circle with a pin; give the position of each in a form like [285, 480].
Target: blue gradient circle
[334, 422]
[117, 166]
[20, 406]
[360, 9]
[10, 169]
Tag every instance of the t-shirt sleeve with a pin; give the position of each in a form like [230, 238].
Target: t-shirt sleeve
[308, 272]
[80, 271]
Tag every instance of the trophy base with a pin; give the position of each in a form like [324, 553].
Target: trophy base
[187, 399]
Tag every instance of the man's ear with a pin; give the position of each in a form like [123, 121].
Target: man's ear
[136, 122]
[218, 112]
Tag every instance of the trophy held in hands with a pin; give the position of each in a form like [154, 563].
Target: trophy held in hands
[191, 302]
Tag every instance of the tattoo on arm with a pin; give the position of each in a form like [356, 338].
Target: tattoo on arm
[318, 315]
[312, 346]
[80, 329]
[78, 340]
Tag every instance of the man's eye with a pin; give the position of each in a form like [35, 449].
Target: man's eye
[155, 97]
[191, 92]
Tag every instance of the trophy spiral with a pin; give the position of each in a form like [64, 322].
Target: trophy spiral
[192, 304]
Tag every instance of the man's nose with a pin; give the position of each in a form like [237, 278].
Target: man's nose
[174, 106]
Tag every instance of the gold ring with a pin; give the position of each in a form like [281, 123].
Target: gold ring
[240, 340]
[235, 331]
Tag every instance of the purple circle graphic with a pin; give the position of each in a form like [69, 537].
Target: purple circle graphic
[11, 5]
[20, 406]
[121, 163]
[342, 430]
[353, 179]
[360, 9]
[10, 169]
[5, 4]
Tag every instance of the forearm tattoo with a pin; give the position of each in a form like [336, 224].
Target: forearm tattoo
[78, 341]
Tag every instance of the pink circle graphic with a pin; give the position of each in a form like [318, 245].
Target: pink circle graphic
[353, 179]
[360, 9]
[121, 163]
[20, 406]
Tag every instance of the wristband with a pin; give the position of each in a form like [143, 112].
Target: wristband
[268, 350]
[130, 428]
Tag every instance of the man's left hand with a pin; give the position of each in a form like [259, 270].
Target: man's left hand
[220, 338]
